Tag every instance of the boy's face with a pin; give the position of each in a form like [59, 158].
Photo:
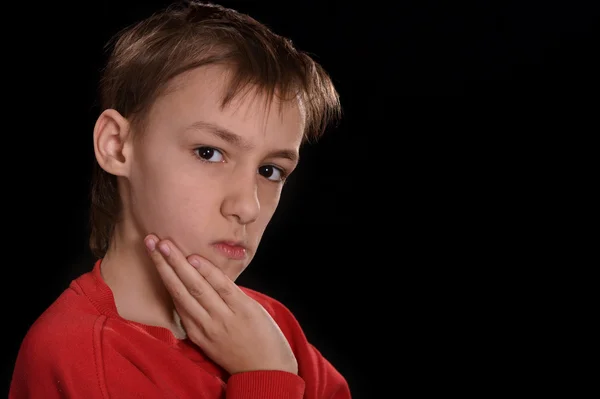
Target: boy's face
[202, 175]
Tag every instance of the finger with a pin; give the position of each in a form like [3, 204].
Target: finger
[223, 285]
[196, 285]
[173, 283]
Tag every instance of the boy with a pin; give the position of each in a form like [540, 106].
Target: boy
[204, 112]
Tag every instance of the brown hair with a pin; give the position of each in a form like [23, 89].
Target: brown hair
[147, 55]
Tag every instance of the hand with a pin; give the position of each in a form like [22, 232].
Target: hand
[233, 329]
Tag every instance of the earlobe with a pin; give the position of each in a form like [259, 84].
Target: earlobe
[111, 146]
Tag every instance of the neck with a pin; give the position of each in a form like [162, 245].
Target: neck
[138, 290]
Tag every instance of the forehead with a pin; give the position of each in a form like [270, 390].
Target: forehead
[197, 95]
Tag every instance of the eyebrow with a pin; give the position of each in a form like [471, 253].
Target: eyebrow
[238, 141]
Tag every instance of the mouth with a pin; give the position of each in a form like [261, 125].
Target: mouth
[231, 249]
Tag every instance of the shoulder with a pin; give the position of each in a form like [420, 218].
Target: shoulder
[63, 333]
[68, 315]
[60, 349]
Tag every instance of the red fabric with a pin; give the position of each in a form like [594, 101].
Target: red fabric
[81, 348]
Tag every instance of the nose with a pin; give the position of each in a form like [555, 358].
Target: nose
[241, 199]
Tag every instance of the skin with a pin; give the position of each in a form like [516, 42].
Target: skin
[232, 329]
[192, 187]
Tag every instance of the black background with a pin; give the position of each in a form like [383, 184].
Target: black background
[399, 240]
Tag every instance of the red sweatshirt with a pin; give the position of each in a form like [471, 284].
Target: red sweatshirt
[81, 348]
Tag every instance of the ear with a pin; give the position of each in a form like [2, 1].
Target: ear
[111, 142]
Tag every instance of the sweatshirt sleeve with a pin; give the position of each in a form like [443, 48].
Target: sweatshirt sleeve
[265, 384]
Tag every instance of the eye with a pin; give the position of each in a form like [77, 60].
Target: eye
[209, 154]
[272, 173]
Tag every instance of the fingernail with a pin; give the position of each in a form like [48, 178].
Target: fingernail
[164, 248]
[150, 244]
[195, 262]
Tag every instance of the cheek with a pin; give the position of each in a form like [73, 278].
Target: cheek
[189, 220]
[170, 204]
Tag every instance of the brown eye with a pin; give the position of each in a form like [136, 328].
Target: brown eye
[271, 172]
[209, 154]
